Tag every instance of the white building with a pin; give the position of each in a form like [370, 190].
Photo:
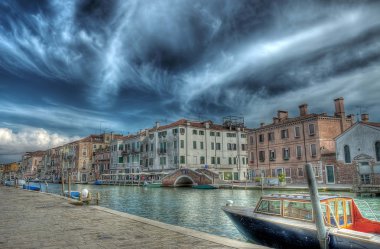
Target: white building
[184, 144]
[360, 145]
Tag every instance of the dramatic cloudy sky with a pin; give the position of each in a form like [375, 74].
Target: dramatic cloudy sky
[71, 68]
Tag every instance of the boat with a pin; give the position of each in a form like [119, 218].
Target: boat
[98, 182]
[288, 221]
[29, 187]
[152, 184]
[204, 186]
[73, 194]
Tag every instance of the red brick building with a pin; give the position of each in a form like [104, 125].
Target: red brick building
[287, 144]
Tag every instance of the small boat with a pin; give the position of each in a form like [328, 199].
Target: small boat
[98, 182]
[34, 188]
[204, 186]
[73, 194]
[152, 184]
[10, 183]
[287, 221]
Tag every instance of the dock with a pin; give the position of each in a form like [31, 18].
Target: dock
[41, 220]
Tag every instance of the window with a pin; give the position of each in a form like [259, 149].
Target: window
[182, 159]
[217, 146]
[195, 132]
[231, 134]
[212, 160]
[299, 151]
[218, 134]
[285, 153]
[194, 145]
[272, 155]
[377, 149]
[297, 132]
[235, 160]
[271, 136]
[212, 145]
[365, 179]
[243, 135]
[251, 140]
[120, 159]
[313, 149]
[201, 133]
[270, 207]
[252, 157]
[182, 144]
[262, 156]
[201, 145]
[298, 210]
[151, 147]
[230, 160]
[261, 138]
[218, 160]
[202, 159]
[212, 133]
[311, 129]
[182, 130]
[175, 159]
[347, 156]
[243, 147]
[162, 160]
[284, 134]
[175, 131]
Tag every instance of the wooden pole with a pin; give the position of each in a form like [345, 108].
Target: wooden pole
[319, 222]
[69, 185]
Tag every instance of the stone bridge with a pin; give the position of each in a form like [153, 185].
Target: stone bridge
[188, 177]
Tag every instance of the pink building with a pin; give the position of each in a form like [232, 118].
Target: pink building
[287, 144]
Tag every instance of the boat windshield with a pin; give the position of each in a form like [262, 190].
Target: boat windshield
[269, 207]
[298, 210]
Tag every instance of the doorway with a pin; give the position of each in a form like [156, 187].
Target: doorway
[330, 175]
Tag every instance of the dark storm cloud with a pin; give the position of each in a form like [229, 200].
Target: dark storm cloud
[126, 64]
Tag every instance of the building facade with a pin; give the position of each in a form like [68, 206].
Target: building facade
[359, 149]
[184, 144]
[287, 144]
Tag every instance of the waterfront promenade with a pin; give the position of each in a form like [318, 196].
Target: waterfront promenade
[39, 220]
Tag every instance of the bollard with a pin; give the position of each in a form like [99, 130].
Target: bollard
[97, 198]
[314, 197]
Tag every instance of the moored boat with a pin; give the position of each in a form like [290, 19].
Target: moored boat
[30, 187]
[205, 186]
[152, 184]
[288, 221]
[73, 194]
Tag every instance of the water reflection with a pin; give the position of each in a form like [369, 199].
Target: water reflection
[193, 208]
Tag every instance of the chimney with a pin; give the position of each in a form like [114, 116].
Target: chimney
[365, 117]
[275, 120]
[207, 125]
[157, 124]
[262, 124]
[303, 110]
[339, 107]
[282, 115]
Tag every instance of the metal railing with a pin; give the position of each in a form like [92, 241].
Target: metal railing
[364, 207]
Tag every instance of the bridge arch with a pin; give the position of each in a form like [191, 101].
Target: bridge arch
[183, 180]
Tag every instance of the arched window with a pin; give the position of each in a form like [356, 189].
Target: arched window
[377, 149]
[347, 156]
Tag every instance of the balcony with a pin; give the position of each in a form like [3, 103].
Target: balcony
[161, 151]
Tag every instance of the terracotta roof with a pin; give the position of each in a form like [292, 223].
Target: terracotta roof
[371, 124]
[197, 124]
[295, 119]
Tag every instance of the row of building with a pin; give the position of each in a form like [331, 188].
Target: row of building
[341, 150]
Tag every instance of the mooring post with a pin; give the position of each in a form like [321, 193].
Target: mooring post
[314, 197]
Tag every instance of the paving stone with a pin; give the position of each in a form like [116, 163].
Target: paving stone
[39, 220]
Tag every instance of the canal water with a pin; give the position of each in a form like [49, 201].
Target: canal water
[186, 207]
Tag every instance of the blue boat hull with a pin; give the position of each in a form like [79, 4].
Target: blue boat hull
[34, 188]
[278, 235]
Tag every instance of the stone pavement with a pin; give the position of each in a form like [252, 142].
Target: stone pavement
[39, 220]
